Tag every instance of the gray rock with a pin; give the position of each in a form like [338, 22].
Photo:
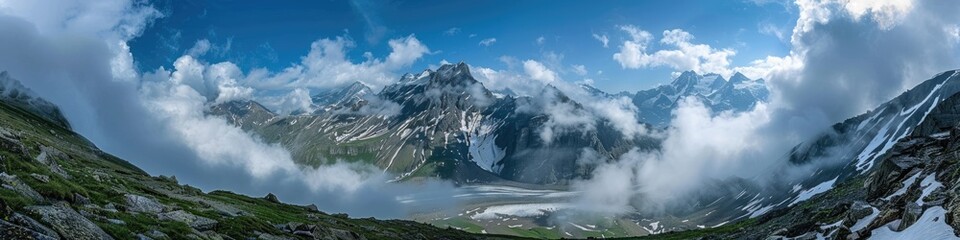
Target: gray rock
[267, 236]
[110, 207]
[858, 210]
[48, 157]
[911, 213]
[905, 162]
[42, 178]
[12, 143]
[137, 203]
[156, 234]
[193, 221]
[11, 182]
[80, 199]
[346, 235]
[68, 222]
[116, 221]
[12, 231]
[30, 223]
[143, 237]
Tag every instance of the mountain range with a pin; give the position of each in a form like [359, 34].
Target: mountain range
[889, 173]
[446, 123]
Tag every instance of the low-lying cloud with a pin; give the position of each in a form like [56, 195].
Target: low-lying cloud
[847, 57]
[157, 121]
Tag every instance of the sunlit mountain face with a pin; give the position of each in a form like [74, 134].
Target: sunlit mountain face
[807, 119]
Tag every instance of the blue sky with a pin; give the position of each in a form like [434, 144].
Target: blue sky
[276, 35]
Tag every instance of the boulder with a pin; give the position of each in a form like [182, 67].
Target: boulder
[30, 223]
[11, 182]
[858, 210]
[13, 144]
[267, 236]
[346, 235]
[80, 199]
[41, 178]
[137, 203]
[911, 213]
[49, 156]
[11, 231]
[905, 162]
[156, 234]
[68, 222]
[194, 221]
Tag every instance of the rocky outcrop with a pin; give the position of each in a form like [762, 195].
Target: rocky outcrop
[30, 223]
[194, 221]
[137, 203]
[49, 157]
[66, 221]
[11, 182]
[11, 231]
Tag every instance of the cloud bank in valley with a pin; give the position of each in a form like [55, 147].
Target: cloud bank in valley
[156, 119]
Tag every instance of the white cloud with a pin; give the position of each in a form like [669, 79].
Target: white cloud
[885, 13]
[217, 83]
[326, 65]
[602, 38]
[541, 40]
[113, 21]
[537, 71]
[684, 55]
[762, 68]
[297, 100]
[543, 84]
[487, 42]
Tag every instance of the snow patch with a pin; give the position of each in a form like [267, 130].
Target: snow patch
[519, 210]
[928, 184]
[931, 225]
[820, 188]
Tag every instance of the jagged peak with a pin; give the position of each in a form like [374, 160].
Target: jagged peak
[739, 77]
[454, 70]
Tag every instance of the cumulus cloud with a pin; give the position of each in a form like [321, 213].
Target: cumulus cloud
[296, 101]
[217, 82]
[683, 56]
[907, 43]
[537, 71]
[327, 65]
[487, 42]
[541, 40]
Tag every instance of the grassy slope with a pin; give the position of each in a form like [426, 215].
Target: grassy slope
[104, 180]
